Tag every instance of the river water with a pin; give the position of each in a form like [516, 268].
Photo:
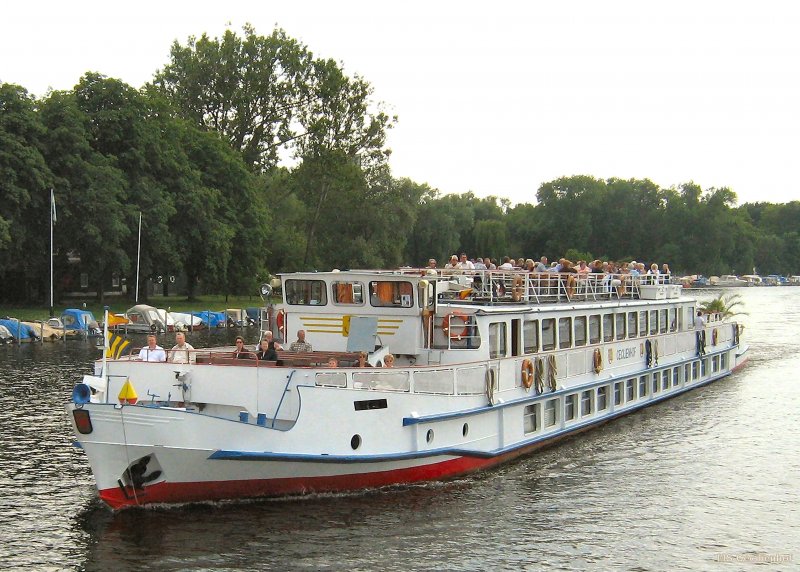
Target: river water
[706, 481]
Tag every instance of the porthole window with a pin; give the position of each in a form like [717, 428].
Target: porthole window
[429, 436]
[355, 442]
[465, 429]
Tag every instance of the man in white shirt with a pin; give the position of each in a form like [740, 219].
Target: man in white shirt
[465, 263]
[152, 351]
[181, 351]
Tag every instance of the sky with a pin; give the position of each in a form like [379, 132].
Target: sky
[495, 98]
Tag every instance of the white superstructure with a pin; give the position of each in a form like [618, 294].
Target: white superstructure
[488, 366]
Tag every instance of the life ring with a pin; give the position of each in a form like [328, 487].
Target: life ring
[527, 373]
[597, 361]
[451, 331]
[714, 335]
[280, 320]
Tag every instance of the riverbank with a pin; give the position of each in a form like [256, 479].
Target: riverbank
[214, 303]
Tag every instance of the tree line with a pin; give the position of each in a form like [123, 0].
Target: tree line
[247, 155]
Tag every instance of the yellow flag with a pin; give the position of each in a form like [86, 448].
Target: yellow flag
[116, 345]
[116, 319]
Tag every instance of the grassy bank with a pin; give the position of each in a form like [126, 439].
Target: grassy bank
[120, 305]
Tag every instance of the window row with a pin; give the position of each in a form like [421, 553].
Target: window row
[381, 293]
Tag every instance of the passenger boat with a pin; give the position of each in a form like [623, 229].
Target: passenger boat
[489, 365]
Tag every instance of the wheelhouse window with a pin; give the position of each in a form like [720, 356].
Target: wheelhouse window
[386, 293]
[497, 340]
[564, 332]
[530, 331]
[347, 293]
[579, 324]
[548, 334]
[305, 292]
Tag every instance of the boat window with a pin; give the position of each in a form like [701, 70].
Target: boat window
[564, 332]
[643, 386]
[548, 334]
[695, 370]
[580, 330]
[676, 376]
[662, 321]
[550, 413]
[383, 293]
[630, 390]
[602, 397]
[531, 334]
[618, 393]
[656, 386]
[643, 323]
[570, 402]
[347, 293]
[620, 323]
[497, 339]
[305, 292]
[690, 319]
[586, 402]
[686, 373]
[531, 417]
[704, 367]
[632, 325]
[673, 319]
[455, 331]
[723, 361]
[608, 327]
[594, 329]
[665, 379]
[653, 322]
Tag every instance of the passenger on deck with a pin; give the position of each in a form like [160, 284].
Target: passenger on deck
[269, 337]
[388, 360]
[453, 263]
[333, 362]
[507, 264]
[266, 351]
[301, 345]
[362, 360]
[489, 264]
[181, 351]
[542, 265]
[464, 263]
[152, 352]
[242, 352]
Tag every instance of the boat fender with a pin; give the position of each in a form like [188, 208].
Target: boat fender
[527, 373]
[450, 331]
[648, 353]
[714, 336]
[539, 375]
[552, 372]
[597, 361]
[280, 320]
[491, 384]
[81, 394]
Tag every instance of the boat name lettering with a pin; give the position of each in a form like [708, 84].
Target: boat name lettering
[626, 353]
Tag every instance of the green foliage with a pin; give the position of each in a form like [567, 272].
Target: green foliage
[725, 305]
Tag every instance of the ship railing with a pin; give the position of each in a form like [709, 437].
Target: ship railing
[541, 287]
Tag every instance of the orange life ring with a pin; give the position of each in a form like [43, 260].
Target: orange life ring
[597, 361]
[527, 373]
[451, 332]
[280, 320]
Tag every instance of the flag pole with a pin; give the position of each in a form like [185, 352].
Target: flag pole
[52, 220]
[138, 256]
[105, 345]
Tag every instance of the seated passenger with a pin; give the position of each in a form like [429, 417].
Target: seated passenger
[388, 360]
[333, 362]
[362, 360]
[301, 345]
[266, 351]
[242, 352]
[152, 351]
[181, 351]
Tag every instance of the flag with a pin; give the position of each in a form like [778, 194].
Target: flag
[116, 320]
[116, 345]
[53, 205]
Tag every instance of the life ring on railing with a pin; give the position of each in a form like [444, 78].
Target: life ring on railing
[280, 321]
[527, 373]
[714, 336]
[451, 331]
[597, 361]
[517, 289]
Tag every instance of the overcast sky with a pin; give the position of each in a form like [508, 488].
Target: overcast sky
[496, 97]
